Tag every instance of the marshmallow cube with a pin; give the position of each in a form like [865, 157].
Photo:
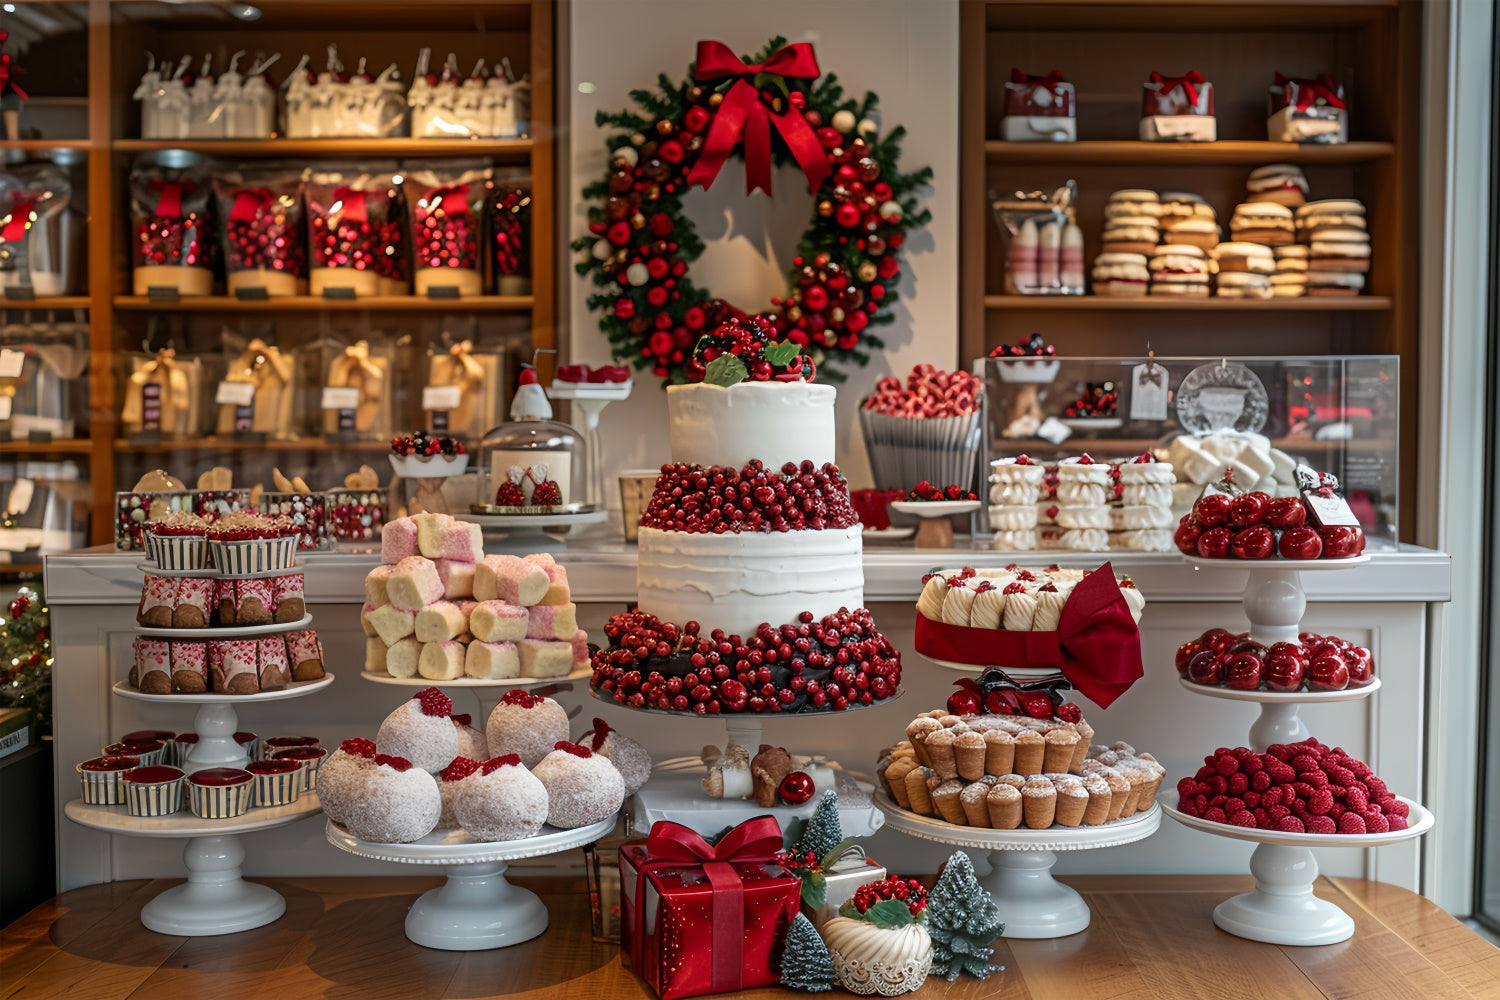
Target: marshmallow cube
[492, 660]
[430, 529]
[398, 540]
[391, 623]
[441, 661]
[401, 659]
[496, 621]
[510, 579]
[415, 584]
[457, 577]
[557, 592]
[461, 542]
[375, 584]
[545, 659]
[441, 622]
[375, 655]
[364, 620]
[580, 642]
[552, 622]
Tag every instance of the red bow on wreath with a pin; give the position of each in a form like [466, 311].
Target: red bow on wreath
[1097, 644]
[743, 112]
[1189, 82]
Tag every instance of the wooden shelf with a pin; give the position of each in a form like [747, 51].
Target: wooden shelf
[60, 302]
[68, 446]
[1243, 152]
[310, 303]
[43, 145]
[1148, 303]
[19, 569]
[230, 444]
[507, 149]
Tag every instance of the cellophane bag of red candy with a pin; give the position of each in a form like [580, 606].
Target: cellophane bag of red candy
[509, 235]
[353, 229]
[264, 247]
[929, 426]
[447, 206]
[37, 232]
[172, 242]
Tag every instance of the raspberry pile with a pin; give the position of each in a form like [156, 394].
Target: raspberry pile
[1313, 663]
[929, 392]
[926, 491]
[426, 443]
[907, 890]
[1256, 525]
[434, 702]
[1099, 399]
[1291, 788]
[1032, 347]
[750, 339]
[583, 373]
[822, 665]
[721, 499]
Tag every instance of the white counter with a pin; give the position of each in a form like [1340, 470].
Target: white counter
[1389, 604]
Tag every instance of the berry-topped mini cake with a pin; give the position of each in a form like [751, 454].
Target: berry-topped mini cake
[421, 730]
[177, 541]
[250, 542]
[424, 453]
[750, 575]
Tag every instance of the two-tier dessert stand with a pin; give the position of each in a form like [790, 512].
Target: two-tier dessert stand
[215, 899]
[476, 908]
[1282, 909]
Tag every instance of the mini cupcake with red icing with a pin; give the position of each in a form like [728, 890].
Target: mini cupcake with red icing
[178, 541]
[398, 804]
[421, 731]
[503, 801]
[527, 725]
[100, 777]
[153, 791]
[277, 782]
[249, 542]
[220, 792]
[582, 786]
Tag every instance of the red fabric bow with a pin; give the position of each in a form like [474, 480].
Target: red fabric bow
[21, 207]
[754, 841]
[1050, 80]
[744, 113]
[1097, 644]
[1310, 91]
[1189, 82]
[353, 200]
[452, 199]
[169, 198]
[249, 203]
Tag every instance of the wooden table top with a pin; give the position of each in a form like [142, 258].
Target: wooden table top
[1152, 937]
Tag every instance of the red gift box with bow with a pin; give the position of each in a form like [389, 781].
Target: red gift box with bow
[1049, 96]
[700, 918]
[1188, 94]
[1306, 110]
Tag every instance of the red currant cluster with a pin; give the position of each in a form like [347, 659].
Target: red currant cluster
[797, 864]
[908, 890]
[1313, 663]
[926, 491]
[1292, 788]
[811, 666]
[184, 241]
[1099, 399]
[546, 494]
[1032, 347]
[360, 237]
[427, 443]
[510, 494]
[928, 392]
[750, 339]
[1257, 526]
[721, 499]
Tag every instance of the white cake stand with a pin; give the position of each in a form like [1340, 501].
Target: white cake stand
[1283, 909]
[1279, 721]
[527, 532]
[214, 899]
[935, 531]
[1032, 903]
[590, 399]
[476, 908]
[217, 722]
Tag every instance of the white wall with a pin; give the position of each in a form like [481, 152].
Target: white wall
[905, 52]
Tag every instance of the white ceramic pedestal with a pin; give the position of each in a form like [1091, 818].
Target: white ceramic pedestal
[215, 899]
[1279, 721]
[1032, 903]
[527, 532]
[476, 908]
[1283, 909]
[590, 399]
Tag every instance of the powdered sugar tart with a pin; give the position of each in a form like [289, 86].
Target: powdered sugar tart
[1011, 598]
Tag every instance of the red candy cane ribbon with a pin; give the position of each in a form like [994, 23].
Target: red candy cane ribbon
[743, 113]
[353, 201]
[19, 220]
[249, 203]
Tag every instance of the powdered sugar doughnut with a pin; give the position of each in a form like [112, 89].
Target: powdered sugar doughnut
[398, 803]
[471, 742]
[343, 776]
[526, 725]
[504, 801]
[450, 780]
[582, 786]
[421, 731]
[632, 760]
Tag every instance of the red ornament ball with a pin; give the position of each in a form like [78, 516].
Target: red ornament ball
[815, 298]
[19, 607]
[796, 788]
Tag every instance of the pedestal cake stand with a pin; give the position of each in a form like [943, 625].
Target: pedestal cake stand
[476, 908]
[1032, 903]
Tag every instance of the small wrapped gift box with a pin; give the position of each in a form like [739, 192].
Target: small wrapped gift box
[700, 918]
[1178, 109]
[1039, 109]
[1306, 110]
[845, 869]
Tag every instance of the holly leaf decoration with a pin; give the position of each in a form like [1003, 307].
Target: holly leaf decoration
[782, 354]
[726, 370]
[814, 889]
[887, 914]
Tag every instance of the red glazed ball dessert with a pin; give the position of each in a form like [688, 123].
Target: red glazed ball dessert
[398, 804]
[582, 787]
[504, 801]
[421, 730]
[526, 725]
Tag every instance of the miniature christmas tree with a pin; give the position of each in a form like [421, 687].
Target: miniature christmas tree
[824, 832]
[805, 965]
[963, 922]
[26, 657]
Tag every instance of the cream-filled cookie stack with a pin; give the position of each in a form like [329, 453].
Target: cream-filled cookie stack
[1083, 493]
[1244, 270]
[1120, 275]
[1263, 222]
[1015, 489]
[1180, 270]
[1143, 521]
[1187, 218]
[1338, 246]
[1290, 277]
[1281, 183]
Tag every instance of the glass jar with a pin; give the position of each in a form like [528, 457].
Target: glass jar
[532, 464]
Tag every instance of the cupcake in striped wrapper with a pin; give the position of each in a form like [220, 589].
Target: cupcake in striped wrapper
[249, 542]
[277, 782]
[178, 541]
[310, 758]
[178, 749]
[220, 792]
[250, 743]
[150, 752]
[153, 791]
[101, 779]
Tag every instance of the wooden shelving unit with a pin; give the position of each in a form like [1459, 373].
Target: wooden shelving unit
[1106, 48]
[105, 142]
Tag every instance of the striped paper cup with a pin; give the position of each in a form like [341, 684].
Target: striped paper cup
[101, 779]
[177, 551]
[220, 792]
[179, 748]
[250, 743]
[252, 555]
[904, 451]
[277, 782]
[150, 752]
[153, 791]
[311, 759]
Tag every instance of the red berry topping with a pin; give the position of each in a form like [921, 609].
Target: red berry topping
[599, 735]
[1086, 459]
[434, 702]
[1069, 712]
[394, 763]
[523, 698]
[462, 720]
[359, 747]
[495, 763]
[573, 748]
[459, 768]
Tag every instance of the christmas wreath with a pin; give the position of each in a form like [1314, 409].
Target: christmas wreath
[768, 110]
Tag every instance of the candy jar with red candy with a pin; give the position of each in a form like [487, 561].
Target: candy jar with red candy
[447, 216]
[348, 218]
[171, 237]
[509, 237]
[264, 247]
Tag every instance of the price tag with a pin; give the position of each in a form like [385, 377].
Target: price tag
[1148, 392]
[5, 405]
[340, 398]
[441, 397]
[1330, 511]
[20, 496]
[11, 362]
[1054, 431]
[151, 406]
[235, 394]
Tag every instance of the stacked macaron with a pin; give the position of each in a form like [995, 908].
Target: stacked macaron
[1132, 222]
[1187, 218]
[1263, 222]
[1122, 275]
[1179, 269]
[1290, 279]
[1280, 183]
[1338, 246]
[1244, 270]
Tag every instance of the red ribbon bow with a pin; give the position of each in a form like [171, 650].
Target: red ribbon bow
[1052, 79]
[21, 207]
[1097, 644]
[744, 113]
[249, 203]
[1189, 82]
[169, 198]
[1309, 91]
[353, 200]
[453, 199]
[754, 841]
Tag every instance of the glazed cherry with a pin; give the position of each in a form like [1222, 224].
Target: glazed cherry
[1257, 542]
[1186, 536]
[1214, 543]
[1243, 671]
[1284, 513]
[1301, 543]
[1212, 510]
[1286, 667]
[1248, 509]
[1328, 672]
[1204, 668]
[1341, 542]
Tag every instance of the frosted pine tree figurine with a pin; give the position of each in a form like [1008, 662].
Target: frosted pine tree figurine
[805, 965]
[824, 831]
[962, 921]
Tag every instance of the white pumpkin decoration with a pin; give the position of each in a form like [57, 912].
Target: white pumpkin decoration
[872, 961]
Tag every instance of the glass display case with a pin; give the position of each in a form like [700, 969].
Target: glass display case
[1262, 417]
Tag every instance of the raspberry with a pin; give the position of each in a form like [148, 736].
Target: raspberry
[1280, 751]
[1186, 788]
[1338, 774]
[394, 763]
[1277, 813]
[1290, 824]
[1281, 773]
[1219, 784]
[1369, 813]
[1273, 796]
[1337, 792]
[1376, 787]
[1321, 824]
[1070, 713]
[1202, 788]
[359, 747]
[1398, 808]
[1377, 824]
[1215, 815]
[1337, 810]
[1188, 807]
[1218, 800]
[1251, 799]
[1304, 762]
[1243, 818]
[1238, 783]
[434, 702]
[1262, 817]
[1317, 779]
[1358, 768]
[1387, 803]
[495, 763]
[1302, 789]
[1233, 806]
[1225, 763]
[1351, 822]
[1260, 781]
[1201, 802]
[1252, 764]
[459, 767]
[1203, 772]
[1243, 754]
[1356, 799]
[1320, 802]
[1299, 807]
[1396, 822]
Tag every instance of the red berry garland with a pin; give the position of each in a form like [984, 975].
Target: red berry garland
[640, 241]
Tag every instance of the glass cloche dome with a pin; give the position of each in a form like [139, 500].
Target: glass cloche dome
[532, 464]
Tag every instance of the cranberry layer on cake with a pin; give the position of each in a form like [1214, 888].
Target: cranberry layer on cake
[750, 577]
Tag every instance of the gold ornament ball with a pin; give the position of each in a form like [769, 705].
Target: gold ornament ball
[875, 245]
[625, 155]
[638, 221]
[694, 143]
[664, 128]
[836, 314]
[891, 211]
[715, 99]
[637, 139]
[830, 338]
[866, 271]
[695, 94]
[843, 121]
[794, 314]
[825, 208]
